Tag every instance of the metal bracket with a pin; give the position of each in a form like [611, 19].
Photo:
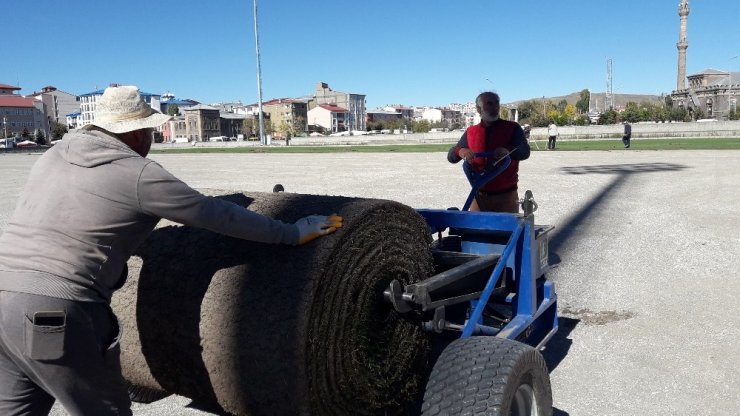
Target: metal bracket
[438, 322]
[397, 297]
[528, 203]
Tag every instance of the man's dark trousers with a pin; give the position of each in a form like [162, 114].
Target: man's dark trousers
[81, 367]
[626, 140]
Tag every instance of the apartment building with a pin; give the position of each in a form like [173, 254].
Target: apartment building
[406, 112]
[57, 104]
[375, 116]
[437, 115]
[19, 113]
[287, 115]
[328, 117]
[354, 104]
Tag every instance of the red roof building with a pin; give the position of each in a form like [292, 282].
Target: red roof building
[19, 113]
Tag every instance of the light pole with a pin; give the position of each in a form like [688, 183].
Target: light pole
[729, 88]
[263, 139]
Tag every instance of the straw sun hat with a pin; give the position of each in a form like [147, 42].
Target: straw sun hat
[121, 109]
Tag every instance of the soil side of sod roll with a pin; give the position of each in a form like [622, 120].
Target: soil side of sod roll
[259, 329]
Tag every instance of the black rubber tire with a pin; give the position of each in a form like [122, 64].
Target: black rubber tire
[482, 375]
[141, 394]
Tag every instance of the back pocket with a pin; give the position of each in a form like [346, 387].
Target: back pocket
[45, 334]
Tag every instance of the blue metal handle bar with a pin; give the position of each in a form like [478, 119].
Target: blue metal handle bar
[477, 180]
[488, 290]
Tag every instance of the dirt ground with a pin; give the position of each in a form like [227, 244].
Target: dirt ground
[647, 245]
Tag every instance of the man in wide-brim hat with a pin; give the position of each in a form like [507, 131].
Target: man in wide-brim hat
[89, 202]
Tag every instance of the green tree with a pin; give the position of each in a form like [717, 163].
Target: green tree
[58, 131]
[679, 114]
[570, 112]
[40, 138]
[173, 110]
[299, 126]
[609, 117]
[504, 113]
[421, 126]
[699, 114]
[269, 128]
[561, 105]
[582, 104]
[631, 113]
[25, 134]
[528, 111]
[284, 128]
[249, 127]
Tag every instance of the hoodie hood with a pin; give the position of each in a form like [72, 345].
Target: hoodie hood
[90, 148]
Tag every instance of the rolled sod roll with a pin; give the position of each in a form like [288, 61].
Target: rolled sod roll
[260, 329]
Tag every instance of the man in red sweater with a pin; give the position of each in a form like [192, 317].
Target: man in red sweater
[499, 137]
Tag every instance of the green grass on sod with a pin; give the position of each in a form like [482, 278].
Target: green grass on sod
[565, 145]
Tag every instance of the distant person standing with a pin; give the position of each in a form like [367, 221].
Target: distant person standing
[627, 135]
[552, 133]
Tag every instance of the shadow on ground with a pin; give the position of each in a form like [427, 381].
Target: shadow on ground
[565, 234]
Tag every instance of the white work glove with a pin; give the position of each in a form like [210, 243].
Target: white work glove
[314, 226]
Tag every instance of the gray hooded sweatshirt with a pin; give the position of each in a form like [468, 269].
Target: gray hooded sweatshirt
[90, 201]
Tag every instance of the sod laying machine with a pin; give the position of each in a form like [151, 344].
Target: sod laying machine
[401, 311]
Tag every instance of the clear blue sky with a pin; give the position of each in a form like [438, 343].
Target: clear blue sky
[413, 52]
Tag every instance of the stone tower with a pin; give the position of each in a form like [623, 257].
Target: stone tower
[683, 44]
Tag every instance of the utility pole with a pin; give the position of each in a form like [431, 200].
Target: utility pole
[263, 138]
[609, 92]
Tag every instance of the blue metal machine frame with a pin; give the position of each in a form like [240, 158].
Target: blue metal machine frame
[512, 246]
[534, 301]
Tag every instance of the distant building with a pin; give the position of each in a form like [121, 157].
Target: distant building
[168, 100]
[72, 120]
[406, 112]
[328, 117]
[438, 115]
[465, 109]
[201, 123]
[287, 114]
[57, 104]
[231, 124]
[20, 113]
[354, 104]
[375, 116]
[715, 92]
[174, 129]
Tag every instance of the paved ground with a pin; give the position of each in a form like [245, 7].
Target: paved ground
[649, 251]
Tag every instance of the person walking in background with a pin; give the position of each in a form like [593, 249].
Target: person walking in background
[627, 135]
[90, 201]
[552, 135]
[500, 137]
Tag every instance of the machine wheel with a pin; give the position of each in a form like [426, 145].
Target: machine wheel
[491, 376]
[140, 394]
